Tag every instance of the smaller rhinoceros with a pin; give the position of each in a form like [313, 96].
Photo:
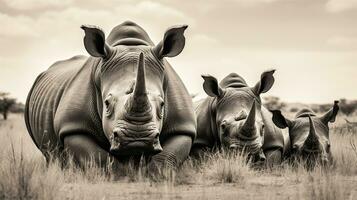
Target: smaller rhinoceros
[309, 135]
[232, 117]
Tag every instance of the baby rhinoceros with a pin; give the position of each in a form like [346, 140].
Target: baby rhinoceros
[124, 100]
[309, 135]
[232, 117]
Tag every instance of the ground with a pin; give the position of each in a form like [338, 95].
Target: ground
[24, 174]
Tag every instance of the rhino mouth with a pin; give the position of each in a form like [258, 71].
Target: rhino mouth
[250, 148]
[132, 139]
[253, 151]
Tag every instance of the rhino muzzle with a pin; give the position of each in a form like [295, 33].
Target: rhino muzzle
[130, 138]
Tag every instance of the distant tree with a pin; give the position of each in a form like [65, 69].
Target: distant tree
[273, 103]
[347, 107]
[293, 110]
[6, 103]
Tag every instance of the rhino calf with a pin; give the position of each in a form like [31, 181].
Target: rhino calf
[123, 100]
[309, 135]
[232, 117]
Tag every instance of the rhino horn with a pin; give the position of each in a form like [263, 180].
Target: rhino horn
[312, 140]
[138, 106]
[140, 84]
[249, 124]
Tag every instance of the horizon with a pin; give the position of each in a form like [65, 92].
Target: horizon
[311, 44]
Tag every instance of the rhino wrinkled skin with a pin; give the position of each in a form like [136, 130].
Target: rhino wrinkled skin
[232, 117]
[309, 135]
[125, 99]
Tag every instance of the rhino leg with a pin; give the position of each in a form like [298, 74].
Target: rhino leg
[175, 150]
[84, 149]
[198, 152]
[273, 157]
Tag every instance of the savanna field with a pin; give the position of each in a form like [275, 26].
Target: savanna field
[25, 175]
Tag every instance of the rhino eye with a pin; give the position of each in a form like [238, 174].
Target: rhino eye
[328, 148]
[106, 102]
[108, 105]
[161, 110]
[224, 125]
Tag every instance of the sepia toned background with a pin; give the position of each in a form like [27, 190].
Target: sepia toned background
[311, 43]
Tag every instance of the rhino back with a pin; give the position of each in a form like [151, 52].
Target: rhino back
[206, 135]
[63, 102]
[179, 115]
[43, 100]
[273, 136]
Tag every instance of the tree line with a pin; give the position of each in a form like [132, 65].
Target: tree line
[347, 107]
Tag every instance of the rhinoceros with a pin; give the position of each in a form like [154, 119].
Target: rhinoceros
[124, 99]
[309, 135]
[232, 117]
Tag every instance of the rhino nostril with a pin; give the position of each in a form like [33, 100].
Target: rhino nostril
[115, 134]
[262, 157]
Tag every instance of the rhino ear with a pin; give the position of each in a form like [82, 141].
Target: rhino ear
[211, 86]
[94, 42]
[330, 116]
[279, 119]
[173, 42]
[265, 83]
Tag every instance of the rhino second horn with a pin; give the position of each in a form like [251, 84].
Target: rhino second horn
[138, 105]
[312, 140]
[249, 124]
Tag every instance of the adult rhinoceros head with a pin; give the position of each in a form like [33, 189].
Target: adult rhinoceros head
[129, 77]
[309, 134]
[237, 112]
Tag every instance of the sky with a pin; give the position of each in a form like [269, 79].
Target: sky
[311, 43]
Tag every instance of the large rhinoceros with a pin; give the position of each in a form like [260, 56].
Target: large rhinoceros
[309, 135]
[232, 117]
[125, 99]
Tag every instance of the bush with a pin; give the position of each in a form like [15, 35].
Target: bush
[6, 103]
[348, 107]
[273, 103]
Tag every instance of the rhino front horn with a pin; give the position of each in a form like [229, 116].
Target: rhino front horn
[312, 140]
[138, 106]
[248, 128]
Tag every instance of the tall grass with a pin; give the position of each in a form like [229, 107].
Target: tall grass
[24, 173]
[225, 167]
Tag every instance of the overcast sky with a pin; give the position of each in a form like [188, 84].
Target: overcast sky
[311, 43]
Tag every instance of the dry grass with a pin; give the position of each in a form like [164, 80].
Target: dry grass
[24, 174]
